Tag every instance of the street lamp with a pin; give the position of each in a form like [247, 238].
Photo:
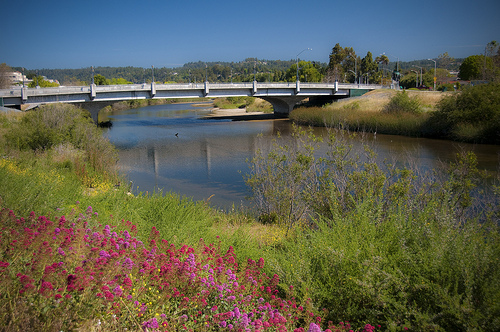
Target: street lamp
[416, 79]
[420, 74]
[307, 49]
[397, 65]
[355, 67]
[435, 64]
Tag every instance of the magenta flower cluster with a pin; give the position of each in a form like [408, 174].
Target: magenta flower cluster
[108, 276]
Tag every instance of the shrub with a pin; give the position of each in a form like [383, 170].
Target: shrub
[403, 103]
[73, 273]
[54, 125]
[477, 107]
[387, 243]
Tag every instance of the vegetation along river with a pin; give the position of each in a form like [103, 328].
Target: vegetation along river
[173, 147]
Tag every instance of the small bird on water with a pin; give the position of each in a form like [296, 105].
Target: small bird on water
[176, 134]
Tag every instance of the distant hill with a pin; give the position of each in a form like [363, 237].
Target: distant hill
[243, 71]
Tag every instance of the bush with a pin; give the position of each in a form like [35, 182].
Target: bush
[473, 115]
[52, 126]
[74, 273]
[403, 103]
[387, 243]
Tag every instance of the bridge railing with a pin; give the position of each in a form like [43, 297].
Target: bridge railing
[69, 90]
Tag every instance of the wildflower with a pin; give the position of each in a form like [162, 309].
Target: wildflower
[104, 253]
[118, 291]
[60, 251]
[314, 328]
[150, 324]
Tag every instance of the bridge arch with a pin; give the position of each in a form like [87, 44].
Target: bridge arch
[282, 105]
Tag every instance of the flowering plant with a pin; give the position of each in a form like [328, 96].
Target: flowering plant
[77, 273]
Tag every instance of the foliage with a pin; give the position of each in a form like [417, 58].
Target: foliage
[476, 107]
[101, 80]
[281, 180]
[342, 62]
[75, 273]
[380, 243]
[63, 127]
[369, 68]
[390, 244]
[403, 103]
[307, 73]
[233, 102]
[41, 82]
[473, 67]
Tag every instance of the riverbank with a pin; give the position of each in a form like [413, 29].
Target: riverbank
[470, 115]
[379, 251]
[239, 114]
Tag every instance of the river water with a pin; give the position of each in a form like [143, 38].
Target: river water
[173, 148]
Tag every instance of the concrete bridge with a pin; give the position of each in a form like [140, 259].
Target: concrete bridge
[283, 96]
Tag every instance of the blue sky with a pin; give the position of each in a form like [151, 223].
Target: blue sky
[78, 34]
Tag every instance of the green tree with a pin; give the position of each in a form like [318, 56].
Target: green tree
[472, 67]
[335, 69]
[307, 72]
[382, 60]
[41, 82]
[444, 60]
[100, 80]
[471, 115]
[368, 67]
[119, 80]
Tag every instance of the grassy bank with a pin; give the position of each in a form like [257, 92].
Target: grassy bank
[383, 247]
[471, 115]
[366, 113]
[249, 103]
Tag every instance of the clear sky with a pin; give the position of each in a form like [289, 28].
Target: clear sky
[77, 34]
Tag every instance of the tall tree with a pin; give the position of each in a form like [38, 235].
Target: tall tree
[489, 51]
[444, 60]
[337, 56]
[41, 82]
[307, 72]
[473, 67]
[382, 60]
[368, 67]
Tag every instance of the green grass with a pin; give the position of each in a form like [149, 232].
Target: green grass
[381, 245]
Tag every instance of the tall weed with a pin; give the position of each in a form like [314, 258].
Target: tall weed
[388, 243]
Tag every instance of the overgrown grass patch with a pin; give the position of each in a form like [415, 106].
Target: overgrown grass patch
[353, 240]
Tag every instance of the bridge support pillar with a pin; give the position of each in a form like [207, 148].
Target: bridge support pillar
[207, 89]
[153, 89]
[93, 107]
[283, 105]
[92, 91]
[24, 95]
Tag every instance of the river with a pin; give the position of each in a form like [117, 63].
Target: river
[173, 147]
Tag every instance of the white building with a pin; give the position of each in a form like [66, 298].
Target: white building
[16, 77]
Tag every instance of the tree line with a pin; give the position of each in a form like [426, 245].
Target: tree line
[344, 66]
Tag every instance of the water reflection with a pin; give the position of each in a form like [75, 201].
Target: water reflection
[171, 147]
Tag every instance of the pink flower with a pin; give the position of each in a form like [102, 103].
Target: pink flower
[314, 328]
